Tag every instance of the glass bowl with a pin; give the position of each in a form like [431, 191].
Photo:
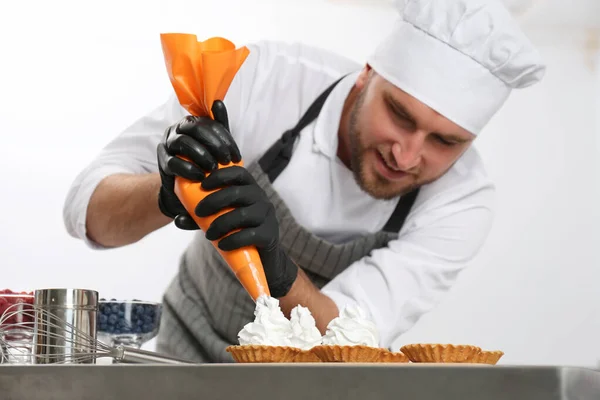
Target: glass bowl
[128, 322]
[17, 320]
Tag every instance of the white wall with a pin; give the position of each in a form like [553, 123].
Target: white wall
[69, 84]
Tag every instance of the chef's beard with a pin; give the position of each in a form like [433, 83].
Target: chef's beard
[379, 187]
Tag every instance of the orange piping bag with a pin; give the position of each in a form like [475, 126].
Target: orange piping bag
[201, 72]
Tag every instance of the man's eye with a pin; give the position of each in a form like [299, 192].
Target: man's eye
[444, 141]
[402, 118]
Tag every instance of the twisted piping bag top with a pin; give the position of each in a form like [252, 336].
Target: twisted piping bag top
[200, 72]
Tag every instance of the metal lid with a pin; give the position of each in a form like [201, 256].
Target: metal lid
[63, 298]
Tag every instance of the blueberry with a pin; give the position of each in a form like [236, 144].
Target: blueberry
[121, 314]
[103, 299]
[103, 309]
[150, 311]
[102, 319]
[139, 310]
[112, 319]
[110, 329]
[122, 306]
[102, 327]
[147, 319]
[114, 308]
[137, 329]
[139, 322]
[113, 299]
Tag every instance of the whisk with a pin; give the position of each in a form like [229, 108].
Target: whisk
[20, 323]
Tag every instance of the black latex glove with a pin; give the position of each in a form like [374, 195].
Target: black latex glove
[203, 141]
[254, 214]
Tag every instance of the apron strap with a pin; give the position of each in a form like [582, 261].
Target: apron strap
[274, 161]
[401, 211]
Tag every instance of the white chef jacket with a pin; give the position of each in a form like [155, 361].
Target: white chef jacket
[276, 84]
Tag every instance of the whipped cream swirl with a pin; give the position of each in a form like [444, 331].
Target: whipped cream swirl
[270, 327]
[352, 327]
[305, 334]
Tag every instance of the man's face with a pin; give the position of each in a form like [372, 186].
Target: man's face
[396, 142]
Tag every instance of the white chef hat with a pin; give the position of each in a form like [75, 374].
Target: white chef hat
[462, 58]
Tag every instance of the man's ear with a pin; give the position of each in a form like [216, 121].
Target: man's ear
[364, 76]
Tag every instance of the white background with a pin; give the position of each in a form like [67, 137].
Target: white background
[74, 74]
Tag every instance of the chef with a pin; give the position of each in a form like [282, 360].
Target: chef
[361, 184]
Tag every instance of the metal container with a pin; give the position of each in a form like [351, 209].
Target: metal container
[65, 326]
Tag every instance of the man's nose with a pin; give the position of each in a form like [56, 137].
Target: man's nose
[407, 154]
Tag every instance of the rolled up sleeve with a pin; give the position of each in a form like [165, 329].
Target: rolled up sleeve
[401, 282]
[133, 151]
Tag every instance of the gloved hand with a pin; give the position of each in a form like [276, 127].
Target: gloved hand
[203, 141]
[254, 214]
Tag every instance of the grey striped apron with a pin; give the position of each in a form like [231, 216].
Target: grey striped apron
[205, 306]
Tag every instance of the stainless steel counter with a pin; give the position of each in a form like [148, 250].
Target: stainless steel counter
[297, 382]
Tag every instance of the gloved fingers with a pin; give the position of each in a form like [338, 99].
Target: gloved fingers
[194, 151]
[163, 159]
[168, 203]
[220, 113]
[212, 135]
[240, 218]
[229, 197]
[185, 169]
[243, 238]
[171, 166]
[229, 176]
[185, 222]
